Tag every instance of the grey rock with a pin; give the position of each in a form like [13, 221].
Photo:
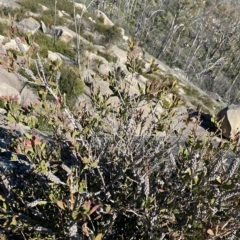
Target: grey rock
[104, 69]
[32, 14]
[43, 27]
[88, 76]
[28, 25]
[230, 117]
[8, 91]
[10, 3]
[106, 20]
[215, 96]
[10, 79]
[28, 97]
[65, 58]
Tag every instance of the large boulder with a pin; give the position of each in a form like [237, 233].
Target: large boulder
[125, 38]
[81, 6]
[230, 117]
[119, 53]
[28, 97]
[32, 14]
[60, 14]
[66, 36]
[65, 58]
[9, 3]
[8, 91]
[44, 8]
[106, 20]
[12, 44]
[66, 14]
[91, 57]
[28, 25]
[104, 69]
[53, 56]
[10, 79]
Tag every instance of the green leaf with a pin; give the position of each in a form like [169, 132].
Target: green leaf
[94, 164]
[2, 198]
[75, 133]
[218, 179]
[4, 206]
[212, 201]
[86, 206]
[195, 179]
[75, 214]
[53, 84]
[99, 236]
[82, 186]
[52, 198]
[164, 210]
[108, 208]
[42, 203]
[14, 157]
[10, 119]
[42, 164]
[43, 146]
[85, 160]
[14, 221]
[38, 151]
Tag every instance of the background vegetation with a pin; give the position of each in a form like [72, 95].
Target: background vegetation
[103, 172]
[199, 37]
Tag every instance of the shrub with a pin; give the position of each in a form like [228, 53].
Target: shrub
[107, 56]
[115, 178]
[61, 5]
[113, 34]
[1, 103]
[101, 28]
[88, 37]
[6, 11]
[29, 5]
[69, 82]
[43, 124]
[89, 47]
[48, 18]
[101, 19]
[46, 44]
[4, 28]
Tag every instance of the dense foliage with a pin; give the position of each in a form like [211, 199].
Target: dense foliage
[104, 173]
[109, 169]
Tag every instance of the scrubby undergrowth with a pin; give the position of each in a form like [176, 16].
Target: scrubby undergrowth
[106, 174]
[109, 171]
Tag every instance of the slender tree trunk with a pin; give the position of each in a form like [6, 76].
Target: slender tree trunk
[55, 20]
[165, 42]
[77, 34]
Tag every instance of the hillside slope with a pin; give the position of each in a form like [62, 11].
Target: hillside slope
[100, 141]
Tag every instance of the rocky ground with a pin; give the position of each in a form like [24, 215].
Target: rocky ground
[11, 85]
[193, 115]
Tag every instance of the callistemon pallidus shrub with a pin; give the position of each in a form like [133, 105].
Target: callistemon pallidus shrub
[105, 172]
